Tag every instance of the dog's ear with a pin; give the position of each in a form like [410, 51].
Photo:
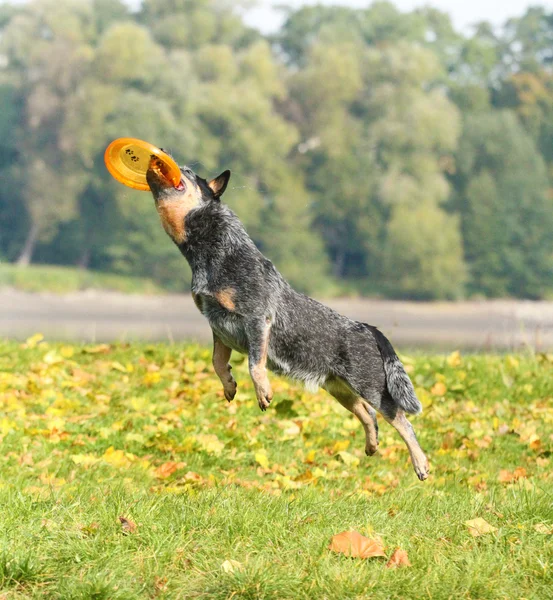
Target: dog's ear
[219, 184]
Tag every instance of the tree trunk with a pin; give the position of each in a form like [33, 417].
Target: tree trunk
[84, 259]
[339, 263]
[26, 255]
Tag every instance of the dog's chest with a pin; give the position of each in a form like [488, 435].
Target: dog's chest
[227, 325]
[172, 215]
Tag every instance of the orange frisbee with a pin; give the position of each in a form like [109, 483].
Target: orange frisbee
[128, 159]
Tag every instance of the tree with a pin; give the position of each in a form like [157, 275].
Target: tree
[506, 210]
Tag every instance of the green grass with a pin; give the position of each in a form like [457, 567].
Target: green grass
[62, 280]
[85, 431]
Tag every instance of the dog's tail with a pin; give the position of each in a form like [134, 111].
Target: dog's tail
[399, 384]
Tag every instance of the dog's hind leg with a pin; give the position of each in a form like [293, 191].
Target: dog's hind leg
[360, 408]
[396, 417]
[257, 332]
[221, 356]
[372, 415]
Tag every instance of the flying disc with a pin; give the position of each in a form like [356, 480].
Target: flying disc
[128, 160]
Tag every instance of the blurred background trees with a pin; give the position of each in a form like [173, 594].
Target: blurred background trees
[372, 151]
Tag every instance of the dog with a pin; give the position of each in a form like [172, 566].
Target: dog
[253, 310]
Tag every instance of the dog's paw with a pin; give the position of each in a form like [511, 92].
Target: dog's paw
[422, 471]
[230, 390]
[264, 400]
[371, 450]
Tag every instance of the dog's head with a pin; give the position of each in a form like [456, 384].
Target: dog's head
[173, 203]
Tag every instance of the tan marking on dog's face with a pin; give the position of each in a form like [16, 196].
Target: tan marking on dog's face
[172, 209]
[226, 298]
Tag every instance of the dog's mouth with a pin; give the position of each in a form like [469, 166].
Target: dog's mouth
[158, 177]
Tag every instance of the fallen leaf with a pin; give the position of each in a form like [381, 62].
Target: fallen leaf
[544, 529]
[231, 566]
[340, 445]
[439, 389]
[506, 476]
[52, 358]
[349, 459]
[127, 525]
[534, 442]
[310, 457]
[99, 349]
[454, 359]
[355, 545]
[398, 559]
[167, 469]
[34, 340]
[91, 529]
[479, 526]
[261, 459]
[210, 443]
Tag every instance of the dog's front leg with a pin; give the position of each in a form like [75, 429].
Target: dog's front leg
[258, 331]
[221, 357]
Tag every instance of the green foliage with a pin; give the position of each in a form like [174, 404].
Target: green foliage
[506, 210]
[342, 132]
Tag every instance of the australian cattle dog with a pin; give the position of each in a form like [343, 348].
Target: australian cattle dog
[252, 309]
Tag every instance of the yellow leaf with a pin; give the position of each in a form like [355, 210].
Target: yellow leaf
[454, 359]
[479, 526]
[349, 459]
[261, 459]
[117, 366]
[544, 529]
[34, 340]
[151, 378]
[117, 458]
[210, 443]
[86, 460]
[310, 457]
[340, 445]
[52, 358]
[135, 437]
[99, 349]
[513, 362]
[230, 566]
[67, 351]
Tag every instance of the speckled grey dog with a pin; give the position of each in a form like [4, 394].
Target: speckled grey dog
[253, 310]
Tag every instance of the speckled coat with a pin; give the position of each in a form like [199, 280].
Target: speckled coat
[252, 309]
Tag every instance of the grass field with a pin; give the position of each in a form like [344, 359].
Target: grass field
[64, 280]
[221, 501]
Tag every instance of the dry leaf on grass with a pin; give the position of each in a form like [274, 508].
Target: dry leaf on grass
[355, 545]
[231, 566]
[439, 389]
[399, 559]
[479, 526]
[506, 476]
[544, 529]
[127, 525]
[167, 469]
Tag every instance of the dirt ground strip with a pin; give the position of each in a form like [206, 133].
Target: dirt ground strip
[97, 316]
